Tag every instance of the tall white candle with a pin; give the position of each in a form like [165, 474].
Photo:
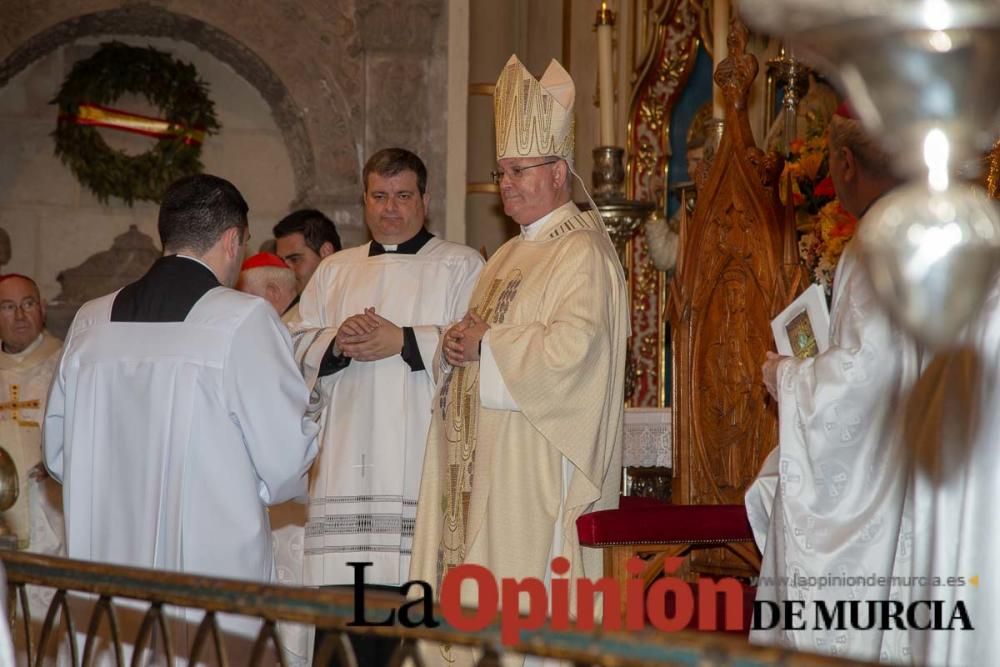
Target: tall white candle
[720, 31]
[605, 74]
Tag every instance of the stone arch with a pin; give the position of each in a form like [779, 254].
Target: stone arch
[146, 20]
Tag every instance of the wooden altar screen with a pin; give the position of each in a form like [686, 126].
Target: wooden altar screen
[737, 268]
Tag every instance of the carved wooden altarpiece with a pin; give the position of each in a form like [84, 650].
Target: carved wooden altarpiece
[737, 268]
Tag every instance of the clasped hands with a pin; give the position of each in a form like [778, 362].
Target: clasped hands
[462, 340]
[368, 336]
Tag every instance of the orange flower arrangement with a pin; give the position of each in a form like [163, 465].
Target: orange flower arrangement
[822, 247]
[825, 226]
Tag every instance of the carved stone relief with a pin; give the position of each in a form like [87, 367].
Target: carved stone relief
[129, 257]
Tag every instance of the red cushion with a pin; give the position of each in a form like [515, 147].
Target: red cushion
[665, 524]
[639, 502]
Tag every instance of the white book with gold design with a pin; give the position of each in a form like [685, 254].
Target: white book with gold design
[803, 328]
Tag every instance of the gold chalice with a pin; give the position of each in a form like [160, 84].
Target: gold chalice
[8, 481]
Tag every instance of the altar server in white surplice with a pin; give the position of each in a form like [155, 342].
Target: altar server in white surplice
[372, 315]
[527, 431]
[176, 415]
[840, 486]
[27, 361]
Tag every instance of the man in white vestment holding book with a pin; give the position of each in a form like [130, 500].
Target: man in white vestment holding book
[836, 505]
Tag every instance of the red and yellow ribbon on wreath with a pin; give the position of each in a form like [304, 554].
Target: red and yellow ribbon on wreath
[95, 115]
[85, 101]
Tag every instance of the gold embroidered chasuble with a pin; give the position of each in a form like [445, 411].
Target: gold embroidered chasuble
[495, 489]
[24, 387]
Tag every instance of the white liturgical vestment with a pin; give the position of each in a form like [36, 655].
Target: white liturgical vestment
[172, 437]
[288, 530]
[527, 439]
[365, 483]
[957, 495]
[160, 459]
[839, 507]
[36, 518]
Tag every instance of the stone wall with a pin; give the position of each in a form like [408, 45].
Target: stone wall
[55, 223]
[304, 90]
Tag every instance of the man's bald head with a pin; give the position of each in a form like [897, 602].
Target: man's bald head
[276, 285]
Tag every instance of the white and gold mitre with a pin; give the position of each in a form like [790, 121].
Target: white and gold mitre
[534, 118]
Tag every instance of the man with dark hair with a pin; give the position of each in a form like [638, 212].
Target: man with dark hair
[394, 161]
[371, 321]
[176, 414]
[303, 239]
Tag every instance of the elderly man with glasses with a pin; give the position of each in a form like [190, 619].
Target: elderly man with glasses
[527, 430]
[28, 359]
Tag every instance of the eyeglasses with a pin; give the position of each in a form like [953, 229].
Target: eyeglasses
[515, 172]
[7, 308]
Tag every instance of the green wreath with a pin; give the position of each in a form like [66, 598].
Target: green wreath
[169, 84]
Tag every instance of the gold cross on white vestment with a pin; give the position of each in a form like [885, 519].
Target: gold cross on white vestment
[15, 406]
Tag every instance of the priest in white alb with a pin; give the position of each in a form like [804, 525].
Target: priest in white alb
[177, 411]
[28, 359]
[372, 317]
[834, 502]
[527, 431]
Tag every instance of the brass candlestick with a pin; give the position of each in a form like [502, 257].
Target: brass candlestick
[621, 216]
[793, 77]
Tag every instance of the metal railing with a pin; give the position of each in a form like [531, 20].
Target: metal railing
[115, 587]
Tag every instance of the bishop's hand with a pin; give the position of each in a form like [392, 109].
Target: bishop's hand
[462, 341]
[452, 346]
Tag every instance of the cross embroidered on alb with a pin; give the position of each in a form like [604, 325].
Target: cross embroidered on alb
[15, 406]
[363, 466]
